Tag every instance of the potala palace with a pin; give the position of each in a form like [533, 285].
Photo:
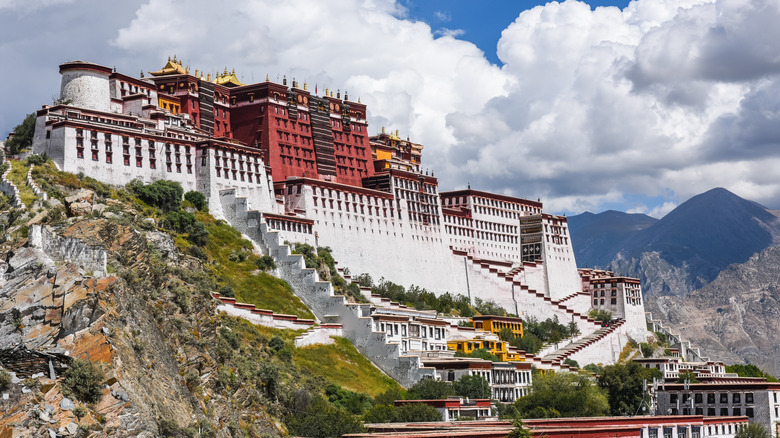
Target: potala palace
[283, 164]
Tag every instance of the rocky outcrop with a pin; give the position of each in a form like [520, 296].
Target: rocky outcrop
[735, 317]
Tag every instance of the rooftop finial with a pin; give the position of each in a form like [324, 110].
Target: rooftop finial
[304, 85]
[358, 99]
[169, 58]
[383, 130]
[284, 80]
[469, 186]
[346, 96]
[267, 78]
[338, 93]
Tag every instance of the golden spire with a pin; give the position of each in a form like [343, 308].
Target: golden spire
[196, 72]
[304, 85]
[187, 70]
[208, 78]
[234, 70]
[358, 99]
[383, 130]
[326, 92]
[267, 78]
[169, 58]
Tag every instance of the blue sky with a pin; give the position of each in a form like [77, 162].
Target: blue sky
[480, 22]
[634, 106]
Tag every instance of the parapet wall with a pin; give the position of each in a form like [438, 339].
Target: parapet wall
[88, 258]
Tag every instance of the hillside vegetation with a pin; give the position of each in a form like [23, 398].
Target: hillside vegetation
[155, 355]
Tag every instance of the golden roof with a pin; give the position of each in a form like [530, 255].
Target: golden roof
[228, 79]
[171, 68]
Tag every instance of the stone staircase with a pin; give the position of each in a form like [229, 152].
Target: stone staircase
[561, 354]
[320, 297]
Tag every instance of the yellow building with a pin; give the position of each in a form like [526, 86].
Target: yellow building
[498, 348]
[494, 324]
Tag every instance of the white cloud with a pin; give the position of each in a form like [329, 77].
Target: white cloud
[442, 16]
[662, 209]
[454, 33]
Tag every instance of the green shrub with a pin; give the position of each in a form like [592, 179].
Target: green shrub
[197, 199]
[429, 389]
[230, 336]
[601, 316]
[266, 263]
[82, 381]
[163, 194]
[36, 160]
[5, 379]
[472, 387]
[571, 362]
[647, 349]
[276, 343]
[80, 412]
[226, 291]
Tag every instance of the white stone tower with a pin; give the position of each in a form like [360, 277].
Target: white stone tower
[86, 85]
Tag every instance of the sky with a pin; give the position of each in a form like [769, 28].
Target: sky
[633, 106]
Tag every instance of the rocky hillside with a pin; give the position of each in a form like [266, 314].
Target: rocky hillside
[684, 250]
[736, 317]
[108, 326]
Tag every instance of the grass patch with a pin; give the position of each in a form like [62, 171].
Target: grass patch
[236, 266]
[341, 363]
[18, 176]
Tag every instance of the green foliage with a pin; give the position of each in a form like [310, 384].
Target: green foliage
[276, 343]
[323, 420]
[170, 428]
[406, 413]
[80, 412]
[226, 291]
[364, 280]
[687, 375]
[266, 263]
[646, 349]
[624, 388]
[422, 299]
[353, 402]
[181, 296]
[82, 381]
[389, 397]
[429, 389]
[472, 387]
[197, 199]
[601, 316]
[537, 333]
[749, 371]
[163, 194]
[5, 379]
[662, 339]
[488, 307]
[571, 362]
[752, 430]
[562, 395]
[479, 353]
[594, 368]
[231, 337]
[36, 160]
[23, 135]
[416, 412]
[519, 430]
[186, 223]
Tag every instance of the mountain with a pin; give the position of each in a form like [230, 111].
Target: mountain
[684, 250]
[734, 318]
[597, 238]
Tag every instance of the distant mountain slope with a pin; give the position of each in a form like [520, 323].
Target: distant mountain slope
[733, 318]
[597, 238]
[687, 248]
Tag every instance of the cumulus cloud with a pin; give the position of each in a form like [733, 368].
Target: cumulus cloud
[657, 99]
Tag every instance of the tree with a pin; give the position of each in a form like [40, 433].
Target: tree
[323, 420]
[752, 430]
[23, 135]
[519, 430]
[429, 389]
[196, 199]
[472, 387]
[571, 362]
[749, 371]
[416, 412]
[563, 395]
[624, 386]
[647, 349]
[602, 316]
[163, 194]
[687, 375]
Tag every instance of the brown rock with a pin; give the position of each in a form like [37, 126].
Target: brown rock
[83, 195]
[80, 208]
